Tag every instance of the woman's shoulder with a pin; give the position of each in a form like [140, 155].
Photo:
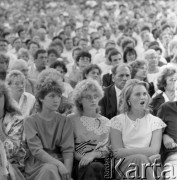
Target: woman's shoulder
[119, 117]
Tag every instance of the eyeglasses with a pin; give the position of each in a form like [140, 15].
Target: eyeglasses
[90, 97]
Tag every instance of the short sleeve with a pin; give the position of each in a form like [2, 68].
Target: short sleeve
[116, 123]
[157, 123]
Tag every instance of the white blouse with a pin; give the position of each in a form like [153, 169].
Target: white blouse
[136, 134]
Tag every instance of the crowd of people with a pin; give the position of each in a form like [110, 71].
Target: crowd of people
[86, 81]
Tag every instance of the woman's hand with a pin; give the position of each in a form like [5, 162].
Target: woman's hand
[168, 142]
[154, 157]
[65, 175]
[89, 157]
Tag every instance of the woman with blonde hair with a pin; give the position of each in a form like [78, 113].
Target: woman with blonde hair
[135, 134]
[49, 134]
[90, 131]
[24, 100]
[11, 135]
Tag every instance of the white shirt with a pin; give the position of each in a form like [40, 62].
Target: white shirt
[26, 104]
[118, 91]
[136, 134]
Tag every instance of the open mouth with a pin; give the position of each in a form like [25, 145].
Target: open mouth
[142, 102]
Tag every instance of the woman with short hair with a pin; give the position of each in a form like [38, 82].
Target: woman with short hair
[166, 84]
[24, 100]
[139, 71]
[135, 134]
[90, 131]
[49, 134]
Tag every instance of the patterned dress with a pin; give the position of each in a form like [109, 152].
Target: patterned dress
[11, 134]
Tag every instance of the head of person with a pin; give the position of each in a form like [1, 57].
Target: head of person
[167, 79]
[60, 67]
[93, 71]
[23, 54]
[49, 89]
[17, 43]
[86, 96]
[21, 66]
[83, 43]
[96, 43]
[58, 45]
[152, 58]
[173, 47]
[129, 55]
[33, 47]
[127, 42]
[42, 33]
[68, 29]
[110, 44]
[52, 55]
[16, 81]
[75, 52]
[3, 45]
[22, 33]
[68, 44]
[4, 62]
[135, 97]
[115, 57]
[6, 99]
[139, 70]
[83, 59]
[76, 40]
[40, 59]
[120, 74]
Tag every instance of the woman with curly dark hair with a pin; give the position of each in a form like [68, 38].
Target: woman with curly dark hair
[49, 134]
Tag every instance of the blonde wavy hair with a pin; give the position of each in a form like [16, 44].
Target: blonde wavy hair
[124, 106]
[82, 88]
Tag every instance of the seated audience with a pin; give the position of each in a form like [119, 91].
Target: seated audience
[110, 102]
[24, 100]
[166, 84]
[90, 131]
[114, 58]
[11, 135]
[49, 135]
[93, 71]
[139, 71]
[136, 134]
[167, 112]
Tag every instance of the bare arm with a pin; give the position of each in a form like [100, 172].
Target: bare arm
[120, 151]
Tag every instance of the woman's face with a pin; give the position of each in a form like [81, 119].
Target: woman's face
[90, 100]
[153, 60]
[61, 71]
[142, 72]
[83, 62]
[94, 74]
[17, 86]
[139, 98]
[51, 101]
[130, 57]
[170, 82]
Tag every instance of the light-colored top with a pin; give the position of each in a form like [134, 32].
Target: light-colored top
[136, 134]
[26, 104]
[118, 92]
[90, 133]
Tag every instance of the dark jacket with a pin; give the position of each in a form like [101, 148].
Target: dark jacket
[107, 80]
[157, 101]
[108, 103]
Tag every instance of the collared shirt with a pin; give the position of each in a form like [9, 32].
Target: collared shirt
[26, 104]
[118, 92]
